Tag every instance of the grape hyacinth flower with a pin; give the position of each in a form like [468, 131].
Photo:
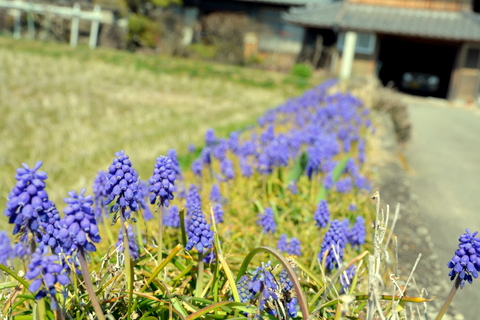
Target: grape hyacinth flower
[199, 234]
[346, 277]
[246, 168]
[132, 244]
[358, 234]
[172, 154]
[263, 281]
[122, 185]
[162, 182]
[48, 272]
[322, 215]
[210, 139]
[344, 185]
[6, 251]
[28, 202]
[267, 221]
[172, 218]
[288, 297]
[78, 233]
[79, 228]
[210, 257]
[294, 247]
[465, 264]
[143, 194]
[51, 228]
[215, 195]
[193, 198]
[333, 242]
[226, 166]
[197, 167]
[218, 212]
[282, 244]
[242, 288]
[100, 195]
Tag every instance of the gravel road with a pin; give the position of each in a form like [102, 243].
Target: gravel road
[444, 172]
[425, 225]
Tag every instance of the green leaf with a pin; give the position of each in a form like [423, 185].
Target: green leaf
[298, 167]
[212, 307]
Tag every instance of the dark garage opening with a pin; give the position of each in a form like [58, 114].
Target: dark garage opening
[418, 68]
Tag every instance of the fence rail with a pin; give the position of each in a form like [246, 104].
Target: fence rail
[74, 13]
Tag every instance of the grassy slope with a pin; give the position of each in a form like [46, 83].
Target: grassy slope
[74, 108]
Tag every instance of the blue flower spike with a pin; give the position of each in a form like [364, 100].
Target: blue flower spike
[466, 262]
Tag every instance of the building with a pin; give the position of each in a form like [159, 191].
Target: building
[277, 35]
[427, 47]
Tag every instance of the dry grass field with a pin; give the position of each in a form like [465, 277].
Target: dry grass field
[74, 108]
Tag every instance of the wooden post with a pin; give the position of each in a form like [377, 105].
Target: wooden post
[31, 25]
[75, 25]
[348, 54]
[94, 29]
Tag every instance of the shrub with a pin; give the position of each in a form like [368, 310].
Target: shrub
[142, 31]
[226, 32]
[302, 70]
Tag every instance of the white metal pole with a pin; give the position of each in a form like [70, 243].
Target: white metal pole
[75, 25]
[348, 54]
[94, 28]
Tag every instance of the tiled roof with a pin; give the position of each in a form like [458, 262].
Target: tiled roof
[289, 2]
[438, 24]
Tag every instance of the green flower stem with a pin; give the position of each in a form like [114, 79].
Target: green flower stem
[449, 299]
[128, 263]
[89, 285]
[161, 214]
[12, 273]
[199, 286]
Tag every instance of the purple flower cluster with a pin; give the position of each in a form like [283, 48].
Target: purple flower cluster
[263, 281]
[357, 235]
[199, 234]
[132, 244]
[346, 277]
[28, 202]
[100, 195]
[143, 197]
[228, 172]
[47, 272]
[78, 228]
[243, 288]
[122, 185]
[162, 182]
[322, 214]
[289, 299]
[465, 264]
[210, 138]
[172, 154]
[172, 217]
[333, 242]
[6, 251]
[290, 246]
[267, 221]
[193, 199]
[215, 195]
